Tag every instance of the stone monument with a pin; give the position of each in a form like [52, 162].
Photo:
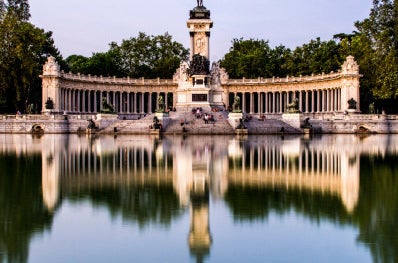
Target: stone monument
[196, 87]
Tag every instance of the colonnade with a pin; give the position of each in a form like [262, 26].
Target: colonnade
[261, 102]
[276, 102]
[90, 101]
[136, 160]
[273, 160]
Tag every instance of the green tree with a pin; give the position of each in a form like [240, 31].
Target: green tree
[23, 51]
[248, 58]
[360, 47]
[254, 58]
[315, 57]
[148, 56]
[99, 64]
[380, 30]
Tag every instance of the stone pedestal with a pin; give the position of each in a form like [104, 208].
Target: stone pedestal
[234, 119]
[293, 119]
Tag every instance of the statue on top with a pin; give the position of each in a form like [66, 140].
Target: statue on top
[200, 2]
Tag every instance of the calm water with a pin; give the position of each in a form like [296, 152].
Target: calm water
[65, 198]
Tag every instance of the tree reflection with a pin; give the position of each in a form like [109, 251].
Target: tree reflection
[253, 203]
[377, 211]
[22, 212]
[135, 204]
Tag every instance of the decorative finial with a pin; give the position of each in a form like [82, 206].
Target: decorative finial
[200, 2]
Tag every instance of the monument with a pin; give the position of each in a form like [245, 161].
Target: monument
[198, 86]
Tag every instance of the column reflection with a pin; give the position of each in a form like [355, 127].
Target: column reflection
[197, 168]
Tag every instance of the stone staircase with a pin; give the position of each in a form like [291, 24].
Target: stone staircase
[270, 126]
[192, 125]
[140, 126]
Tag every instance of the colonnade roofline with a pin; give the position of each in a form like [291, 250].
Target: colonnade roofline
[114, 80]
[246, 81]
[287, 79]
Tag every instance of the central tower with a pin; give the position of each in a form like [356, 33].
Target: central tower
[199, 25]
[197, 85]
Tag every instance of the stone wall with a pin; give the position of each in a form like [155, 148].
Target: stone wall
[332, 123]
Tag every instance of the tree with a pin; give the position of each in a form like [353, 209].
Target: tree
[380, 30]
[148, 56]
[248, 58]
[254, 58]
[99, 64]
[23, 51]
[315, 57]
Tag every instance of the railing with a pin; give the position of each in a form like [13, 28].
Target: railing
[288, 79]
[114, 80]
[158, 81]
[44, 117]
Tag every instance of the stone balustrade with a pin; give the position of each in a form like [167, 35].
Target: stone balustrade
[287, 79]
[114, 80]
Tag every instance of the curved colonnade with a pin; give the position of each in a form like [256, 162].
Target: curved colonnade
[326, 93]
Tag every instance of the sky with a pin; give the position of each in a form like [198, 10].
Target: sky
[84, 27]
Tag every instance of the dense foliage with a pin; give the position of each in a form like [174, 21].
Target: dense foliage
[141, 56]
[23, 50]
[255, 58]
[374, 46]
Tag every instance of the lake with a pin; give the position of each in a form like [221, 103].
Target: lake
[70, 198]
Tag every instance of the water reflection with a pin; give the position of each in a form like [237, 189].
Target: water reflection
[344, 179]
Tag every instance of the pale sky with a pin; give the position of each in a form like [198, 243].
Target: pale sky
[86, 26]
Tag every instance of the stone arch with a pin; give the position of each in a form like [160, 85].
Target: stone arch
[362, 128]
[37, 128]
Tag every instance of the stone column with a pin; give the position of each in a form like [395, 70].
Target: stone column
[300, 98]
[73, 102]
[150, 102]
[306, 101]
[128, 94]
[273, 102]
[312, 101]
[83, 100]
[265, 97]
[78, 101]
[142, 102]
[89, 101]
[134, 102]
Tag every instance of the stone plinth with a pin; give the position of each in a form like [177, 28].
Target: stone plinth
[234, 119]
[293, 119]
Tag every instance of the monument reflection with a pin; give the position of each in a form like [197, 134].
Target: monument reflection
[153, 180]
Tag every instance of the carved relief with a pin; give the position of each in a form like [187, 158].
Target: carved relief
[181, 74]
[51, 67]
[350, 66]
[200, 44]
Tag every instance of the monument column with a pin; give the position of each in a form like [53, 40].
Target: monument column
[195, 84]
